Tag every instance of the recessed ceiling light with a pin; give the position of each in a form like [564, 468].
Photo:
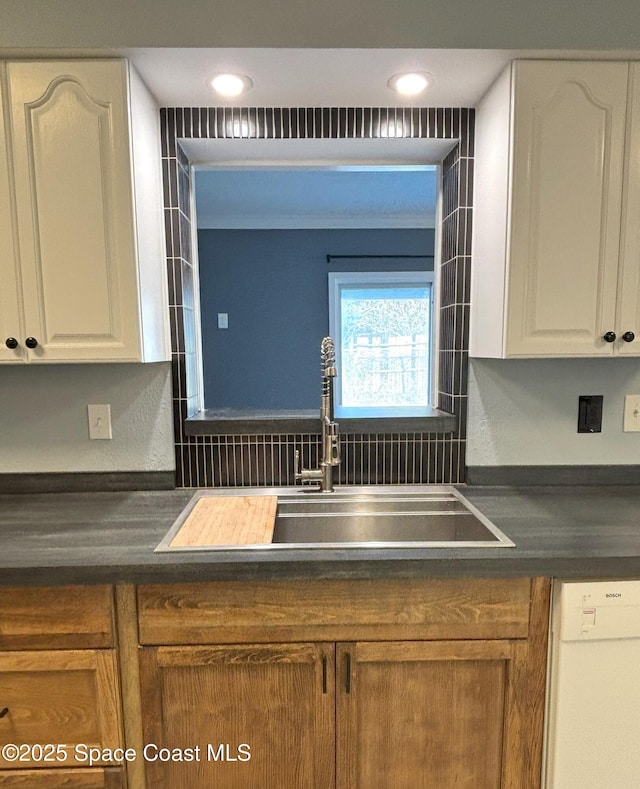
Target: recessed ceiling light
[231, 85]
[410, 84]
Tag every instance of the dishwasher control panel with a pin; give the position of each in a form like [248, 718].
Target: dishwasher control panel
[597, 611]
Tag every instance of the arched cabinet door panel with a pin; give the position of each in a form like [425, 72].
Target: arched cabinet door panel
[555, 268]
[71, 128]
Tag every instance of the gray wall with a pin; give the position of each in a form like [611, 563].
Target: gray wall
[43, 418]
[273, 285]
[590, 24]
[525, 412]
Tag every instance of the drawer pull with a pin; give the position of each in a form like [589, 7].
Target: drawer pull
[347, 684]
[4, 712]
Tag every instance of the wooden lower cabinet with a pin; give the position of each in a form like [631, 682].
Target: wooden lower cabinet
[343, 698]
[314, 684]
[407, 714]
[59, 688]
[237, 717]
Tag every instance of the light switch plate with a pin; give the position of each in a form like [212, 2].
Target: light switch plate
[632, 413]
[99, 421]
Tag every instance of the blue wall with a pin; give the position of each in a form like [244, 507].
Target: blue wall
[273, 285]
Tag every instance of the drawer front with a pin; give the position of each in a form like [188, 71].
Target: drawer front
[334, 610]
[111, 778]
[68, 698]
[65, 617]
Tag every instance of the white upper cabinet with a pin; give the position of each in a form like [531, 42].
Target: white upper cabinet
[83, 182]
[553, 275]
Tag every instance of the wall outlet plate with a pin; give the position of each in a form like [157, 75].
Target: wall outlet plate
[590, 413]
[631, 414]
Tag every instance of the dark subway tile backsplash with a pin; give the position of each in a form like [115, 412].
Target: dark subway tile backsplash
[267, 460]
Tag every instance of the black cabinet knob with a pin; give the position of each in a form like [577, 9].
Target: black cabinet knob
[628, 336]
[609, 336]
[11, 342]
[31, 342]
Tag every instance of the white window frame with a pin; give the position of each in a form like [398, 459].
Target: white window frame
[338, 279]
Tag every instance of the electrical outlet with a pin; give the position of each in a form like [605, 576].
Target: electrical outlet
[631, 414]
[590, 413]
[99, 421]
[223, 320]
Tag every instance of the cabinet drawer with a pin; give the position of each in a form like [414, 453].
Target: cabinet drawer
[65, 617]
[111, 778]
[334, 610]
[61, 698]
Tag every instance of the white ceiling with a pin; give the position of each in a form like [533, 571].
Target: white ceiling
[318, 77]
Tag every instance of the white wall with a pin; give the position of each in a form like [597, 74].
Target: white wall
[492, 24]
[525, 412]
[43, 418]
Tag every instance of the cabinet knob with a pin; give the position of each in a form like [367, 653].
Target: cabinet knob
[628, 336]
[31, 342]
[609, 336]
[11, 342]
[4, 712]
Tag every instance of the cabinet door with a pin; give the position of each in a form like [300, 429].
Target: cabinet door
[628, 319]
[567, 170]
[10, 326]
[62, 697]
[259, 715]
[70, 144]
[433, 714]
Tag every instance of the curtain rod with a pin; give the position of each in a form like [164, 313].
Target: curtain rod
[378, 257]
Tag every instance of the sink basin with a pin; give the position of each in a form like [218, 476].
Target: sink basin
[442, 518]
[357, 517]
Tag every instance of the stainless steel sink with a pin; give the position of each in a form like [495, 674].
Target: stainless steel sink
[364, 517]
[438, 518]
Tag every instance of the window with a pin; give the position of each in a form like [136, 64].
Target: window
[381, 324]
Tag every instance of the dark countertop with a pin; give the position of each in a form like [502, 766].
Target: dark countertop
[569, 532]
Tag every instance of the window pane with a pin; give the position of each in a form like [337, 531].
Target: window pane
[385, 345]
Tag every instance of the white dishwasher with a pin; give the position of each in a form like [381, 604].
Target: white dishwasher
[593, 701]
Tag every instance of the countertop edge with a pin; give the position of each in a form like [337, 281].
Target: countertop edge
[383, 568]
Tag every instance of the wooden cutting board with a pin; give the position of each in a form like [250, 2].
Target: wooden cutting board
[228, 520]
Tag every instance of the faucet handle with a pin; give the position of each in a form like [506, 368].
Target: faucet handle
[334, 444]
